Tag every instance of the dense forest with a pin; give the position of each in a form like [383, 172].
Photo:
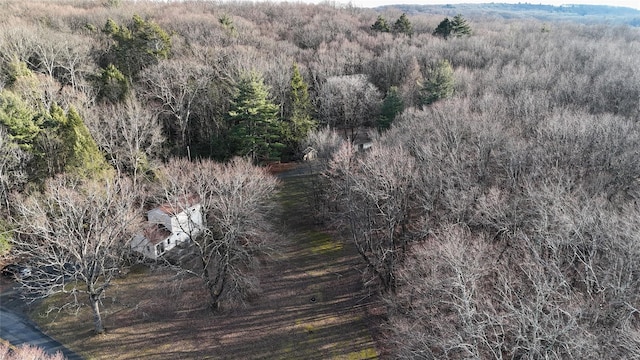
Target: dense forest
[495, 212]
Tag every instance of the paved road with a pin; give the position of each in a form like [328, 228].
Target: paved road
[17, 329]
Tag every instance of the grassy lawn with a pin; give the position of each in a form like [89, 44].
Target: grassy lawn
[311, 306]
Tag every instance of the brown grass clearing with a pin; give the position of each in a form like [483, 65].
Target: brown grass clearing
[311, 306]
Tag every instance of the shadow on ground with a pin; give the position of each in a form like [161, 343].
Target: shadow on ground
[312, 306]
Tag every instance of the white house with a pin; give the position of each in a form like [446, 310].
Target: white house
[169, 225]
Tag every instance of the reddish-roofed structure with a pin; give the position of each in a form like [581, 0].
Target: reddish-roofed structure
[169, 225]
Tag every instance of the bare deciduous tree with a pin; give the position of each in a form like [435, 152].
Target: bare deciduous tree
[457, 301]
[412, 83]
[176, 86]
[12, 167]
[319, 148]
[130, 134]
[542, 259]
[373, 192]
[74, 236]
[235, 201]
[17, 42]
[349, 102]
[325, 142]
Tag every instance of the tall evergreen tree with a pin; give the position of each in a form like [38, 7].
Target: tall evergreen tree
[391, 107]
[443, 29]
[85, 158]
[380, 25]
[300, 122]
[56, 141]
[255, 127]
[456, 27]
[439, 83]
[459, 26]
[65, 145]
[403, 25]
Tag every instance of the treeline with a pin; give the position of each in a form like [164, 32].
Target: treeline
[585, 14]
[495, 211]
[178, 71]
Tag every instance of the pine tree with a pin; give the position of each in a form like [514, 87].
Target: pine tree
[444, 28]
[19, 119]
[138, 46]
[227, 23]
[56, 141]
[439, 83]
[86, 159]
[76, 151]
[403, 26]
[380, 25]
[300, 122]
[113, 86]
[459, 26]
[255, 127]
[16, 69]
[391, 107]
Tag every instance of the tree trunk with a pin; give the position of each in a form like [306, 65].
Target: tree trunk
[97, 318]
[215, 290]
[215, 285]
[215, 300]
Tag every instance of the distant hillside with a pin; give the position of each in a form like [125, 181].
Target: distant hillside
[578, 13]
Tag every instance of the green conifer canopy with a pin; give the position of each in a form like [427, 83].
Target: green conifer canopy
[256, 129]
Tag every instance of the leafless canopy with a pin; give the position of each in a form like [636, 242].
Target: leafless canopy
[235, 199]
[373, 195]
[74, 235]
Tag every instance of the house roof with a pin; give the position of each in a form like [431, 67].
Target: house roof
[178, 206]
[156, 233]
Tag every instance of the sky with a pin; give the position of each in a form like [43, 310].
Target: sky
[373, 3]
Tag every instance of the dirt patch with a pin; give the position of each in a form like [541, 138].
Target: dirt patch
[311, 307]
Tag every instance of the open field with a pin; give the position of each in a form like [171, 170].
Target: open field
[312, 307]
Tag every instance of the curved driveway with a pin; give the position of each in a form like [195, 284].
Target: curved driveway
[17, 329]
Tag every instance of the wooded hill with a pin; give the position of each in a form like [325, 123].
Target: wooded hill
[588, 14]
[497, 210]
